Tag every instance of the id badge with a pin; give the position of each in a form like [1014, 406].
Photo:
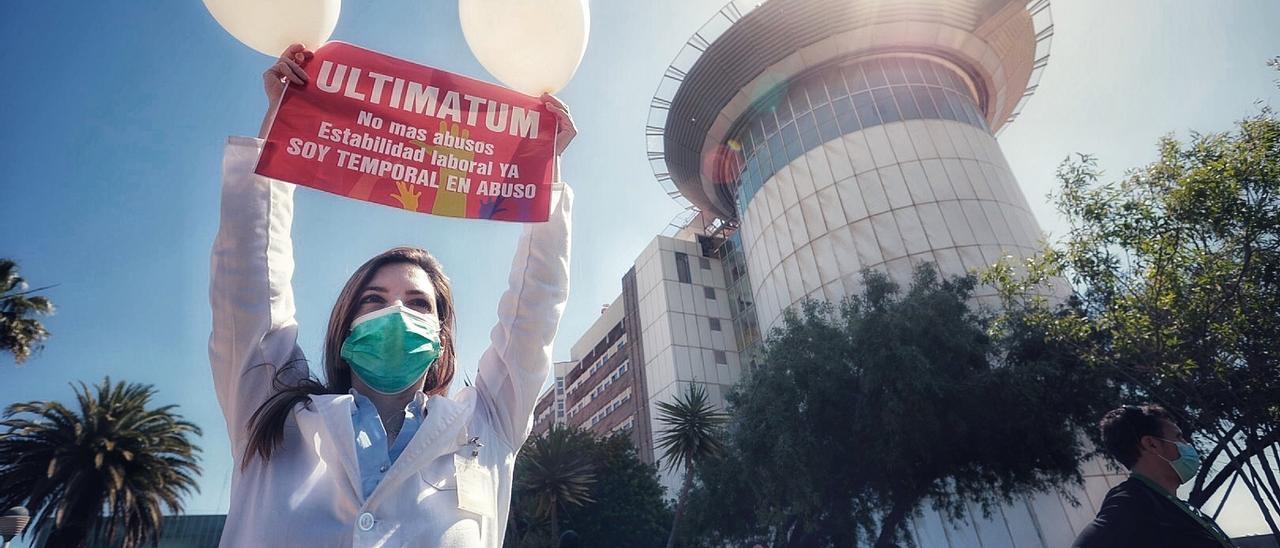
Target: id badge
[475, 488]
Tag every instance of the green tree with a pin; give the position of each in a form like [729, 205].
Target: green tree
[115, 455]
[20, 332]
[864, 413]
[690, 436]
[553, 471]
[721, 509]
[626, 508]
[629, 509]
[1176, 276]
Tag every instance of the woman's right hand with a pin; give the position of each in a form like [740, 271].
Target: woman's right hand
[286, 70]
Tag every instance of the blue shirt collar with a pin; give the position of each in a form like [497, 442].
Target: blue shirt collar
[413, 408]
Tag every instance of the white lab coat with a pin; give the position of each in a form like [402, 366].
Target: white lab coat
[437, 493]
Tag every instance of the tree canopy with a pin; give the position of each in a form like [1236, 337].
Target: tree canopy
[1176, 276]
[21, 333]
[864, 413]
[617, 500]
[113, 453]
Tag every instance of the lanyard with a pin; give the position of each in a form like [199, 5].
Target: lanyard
[1195, 514]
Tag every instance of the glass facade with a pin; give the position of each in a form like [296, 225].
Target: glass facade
[841, 99]
[746, 328]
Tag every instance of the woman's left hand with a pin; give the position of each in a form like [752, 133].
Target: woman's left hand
[565, 130]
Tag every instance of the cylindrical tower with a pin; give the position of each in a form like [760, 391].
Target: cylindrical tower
[814, 138]
[837, 135]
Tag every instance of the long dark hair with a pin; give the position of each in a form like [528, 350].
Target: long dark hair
[266, 426]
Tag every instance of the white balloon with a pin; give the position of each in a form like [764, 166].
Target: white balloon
[269, 26]
[532, 46]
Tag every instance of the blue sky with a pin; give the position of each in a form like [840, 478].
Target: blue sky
[115, 113]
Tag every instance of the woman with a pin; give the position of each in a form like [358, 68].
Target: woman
[377, 455]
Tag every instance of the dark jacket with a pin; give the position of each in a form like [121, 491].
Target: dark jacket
[1134, 515]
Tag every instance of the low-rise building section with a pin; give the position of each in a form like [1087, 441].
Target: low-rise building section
[675, 298]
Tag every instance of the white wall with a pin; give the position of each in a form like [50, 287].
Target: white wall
[1045, 520]
[889, 197]
[679, 344]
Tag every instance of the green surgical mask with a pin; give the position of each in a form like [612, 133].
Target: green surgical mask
[391, 348]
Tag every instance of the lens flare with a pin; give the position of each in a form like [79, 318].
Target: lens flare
[723, 163]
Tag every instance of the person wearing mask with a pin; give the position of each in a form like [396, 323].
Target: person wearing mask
[378, 453]
[1144, 510]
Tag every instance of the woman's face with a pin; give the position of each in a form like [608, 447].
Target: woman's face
[400, 283]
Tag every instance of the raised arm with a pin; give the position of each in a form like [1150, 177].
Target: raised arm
[516, 364]
[250, 292]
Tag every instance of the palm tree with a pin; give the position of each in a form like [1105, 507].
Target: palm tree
[20, 333]
[115, 456]
[691, 437]
[556, 470]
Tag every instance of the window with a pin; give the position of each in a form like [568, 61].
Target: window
[827, 129]
[835, 84]
[808, 128]
[709, 292]
[720, 357]
[768, 121]
[800, 105]
[875, 76]
[840, 100]
[910, 111]
[704, 263]
[846, 117]
[884, 103]
[865, 107]
[940, 99]
[792, 147]
[927, 109]
[893, 72]
[776, 157]
[715, 326]
[912, 68]
[682, 268]
[816, 90]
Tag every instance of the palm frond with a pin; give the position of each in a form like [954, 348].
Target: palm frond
[20, 332]
[114, 454]
[556, 471]
[691, 428]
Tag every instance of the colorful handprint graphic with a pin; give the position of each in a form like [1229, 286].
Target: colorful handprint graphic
[407, 196]
[449, 202]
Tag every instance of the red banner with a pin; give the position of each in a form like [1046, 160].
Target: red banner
[384, 130]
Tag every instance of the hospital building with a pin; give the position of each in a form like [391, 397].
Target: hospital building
[808, 140]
